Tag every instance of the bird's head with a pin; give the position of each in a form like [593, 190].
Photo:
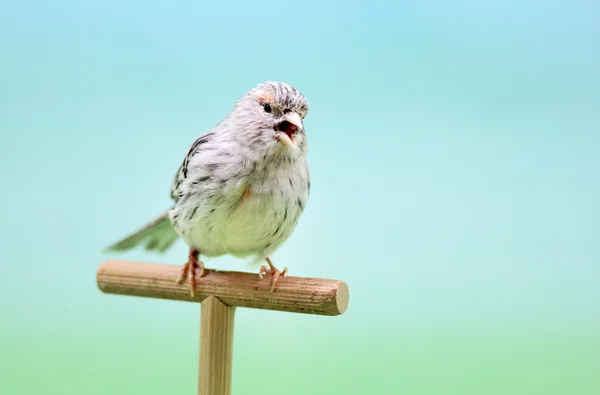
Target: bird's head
[271, 115]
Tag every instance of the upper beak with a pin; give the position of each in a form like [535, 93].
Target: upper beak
[286, 137]
[294, 119]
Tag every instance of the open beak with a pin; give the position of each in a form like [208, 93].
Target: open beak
[286, 130]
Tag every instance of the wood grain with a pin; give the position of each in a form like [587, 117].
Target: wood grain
[293, 294]
[216, 347]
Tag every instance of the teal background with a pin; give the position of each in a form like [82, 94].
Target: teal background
[454, 153]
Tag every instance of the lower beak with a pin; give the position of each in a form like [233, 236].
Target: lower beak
[286, 140]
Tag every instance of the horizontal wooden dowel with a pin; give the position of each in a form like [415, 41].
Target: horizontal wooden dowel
[293, 294]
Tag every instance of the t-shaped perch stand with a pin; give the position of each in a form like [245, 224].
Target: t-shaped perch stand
[220, 293]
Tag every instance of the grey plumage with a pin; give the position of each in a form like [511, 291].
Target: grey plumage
[242, 186]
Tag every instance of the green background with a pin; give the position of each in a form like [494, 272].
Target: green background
[454, 153]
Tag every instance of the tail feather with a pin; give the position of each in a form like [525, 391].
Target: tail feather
[158, 235]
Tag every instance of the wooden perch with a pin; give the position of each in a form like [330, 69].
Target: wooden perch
[220, 293]
[293, 294]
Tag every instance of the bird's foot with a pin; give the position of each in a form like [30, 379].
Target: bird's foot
[273, 272]
[189, 271]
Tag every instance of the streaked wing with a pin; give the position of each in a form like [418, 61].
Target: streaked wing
[195, 148]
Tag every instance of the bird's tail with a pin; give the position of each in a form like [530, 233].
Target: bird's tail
[158, 235]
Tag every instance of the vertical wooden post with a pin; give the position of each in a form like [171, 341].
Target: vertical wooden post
[216, 347]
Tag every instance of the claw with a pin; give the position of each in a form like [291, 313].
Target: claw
[189, 271]
[272, 271]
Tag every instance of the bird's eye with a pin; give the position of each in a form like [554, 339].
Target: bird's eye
[267, 107]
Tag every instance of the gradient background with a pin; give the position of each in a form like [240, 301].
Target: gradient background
[456, 189]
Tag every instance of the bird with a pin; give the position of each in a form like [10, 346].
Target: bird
[241, 187]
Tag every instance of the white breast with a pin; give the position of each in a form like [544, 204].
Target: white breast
[233, 221]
